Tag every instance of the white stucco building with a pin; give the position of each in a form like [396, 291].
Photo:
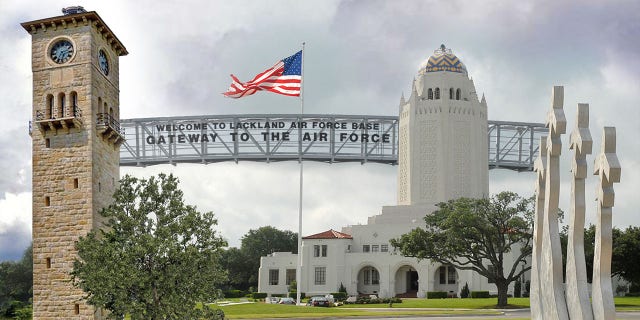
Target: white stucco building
[442, 156]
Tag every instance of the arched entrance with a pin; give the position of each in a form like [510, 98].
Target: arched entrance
[446, 279]
[406, 282]
[368, 280]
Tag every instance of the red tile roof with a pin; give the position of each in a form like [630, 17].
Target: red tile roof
[331, 234]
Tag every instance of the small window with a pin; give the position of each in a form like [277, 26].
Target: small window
[367, 277]
[316, 250]
[324, 250]
[273, 276]
[320, 276]
[384, 248]
[76, 183]
[451, 278]
[450, 93]
[99, 187]
[430, 94]
[458, 92]
[366, 248]
[375, 248]
[291, 276]
[375, 276]
[492, 270]
[437, 94]
[47, 201]
[48, 262]
[47, 143]
[76, 309]
[443, 275]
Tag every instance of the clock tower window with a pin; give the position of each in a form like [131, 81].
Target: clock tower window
[63, 107]
[50, 111]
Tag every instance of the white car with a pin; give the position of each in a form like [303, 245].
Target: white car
[271, 300]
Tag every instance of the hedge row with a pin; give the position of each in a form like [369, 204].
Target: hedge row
[480, 294]
[436, 294]
[339, 296]
[368, 300]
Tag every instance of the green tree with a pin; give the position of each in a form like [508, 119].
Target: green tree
[259, 243]
[155, 258]
[16, 283]
[234, 261]
[626, 254]
[472, 234]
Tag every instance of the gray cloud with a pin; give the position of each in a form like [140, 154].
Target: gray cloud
[360, 57]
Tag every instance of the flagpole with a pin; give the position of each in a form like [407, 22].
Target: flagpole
[299, 267]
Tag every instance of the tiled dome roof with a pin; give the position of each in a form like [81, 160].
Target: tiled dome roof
[443, 60]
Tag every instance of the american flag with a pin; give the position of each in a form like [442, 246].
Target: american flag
[283, 78]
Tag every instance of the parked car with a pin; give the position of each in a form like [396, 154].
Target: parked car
[318, 301]
[287, 301]
[271, 300]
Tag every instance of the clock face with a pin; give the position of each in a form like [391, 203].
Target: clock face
[61, 51]
[103, 62]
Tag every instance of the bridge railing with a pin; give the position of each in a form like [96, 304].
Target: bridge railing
[206, 139]
[324, 138]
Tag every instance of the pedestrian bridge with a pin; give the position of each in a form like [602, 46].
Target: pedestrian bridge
[295, 137]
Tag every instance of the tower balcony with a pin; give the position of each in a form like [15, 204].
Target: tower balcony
[109, 128]
[69, 119]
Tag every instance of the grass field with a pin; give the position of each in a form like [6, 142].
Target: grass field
[407, 307]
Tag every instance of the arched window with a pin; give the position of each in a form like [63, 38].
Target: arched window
[458, 94]
[430, 94]
[437, 94]
[99, 105]
[450, 93]
[61, 105]
[111, 112]
[50, 110]
[74, 103]
[105, 109]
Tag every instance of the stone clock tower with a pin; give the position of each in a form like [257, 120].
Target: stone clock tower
[76, 137]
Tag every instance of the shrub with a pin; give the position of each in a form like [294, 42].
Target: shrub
[367, 300]
[464, 293]
[233, 294]
[293, 294]
[339, 296]
[436, 295]
[258, 295]
[480, 294]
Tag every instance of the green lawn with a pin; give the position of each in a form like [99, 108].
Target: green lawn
[263, 310]
[407, 307]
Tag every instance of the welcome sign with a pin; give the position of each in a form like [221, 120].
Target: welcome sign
[328, 138]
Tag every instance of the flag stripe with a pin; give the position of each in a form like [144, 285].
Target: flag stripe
[283, 78]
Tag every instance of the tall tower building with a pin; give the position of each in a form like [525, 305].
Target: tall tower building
[76, 138]
[443, 135]
[442, 141]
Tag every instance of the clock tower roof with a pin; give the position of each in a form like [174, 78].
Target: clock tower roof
[73, 19]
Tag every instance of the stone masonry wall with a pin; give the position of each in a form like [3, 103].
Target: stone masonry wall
[75, 171]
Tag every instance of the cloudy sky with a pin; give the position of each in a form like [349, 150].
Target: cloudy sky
[360, 56]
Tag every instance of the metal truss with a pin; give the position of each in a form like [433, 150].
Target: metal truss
[280, 137]
[514, 145]
[245, 138]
